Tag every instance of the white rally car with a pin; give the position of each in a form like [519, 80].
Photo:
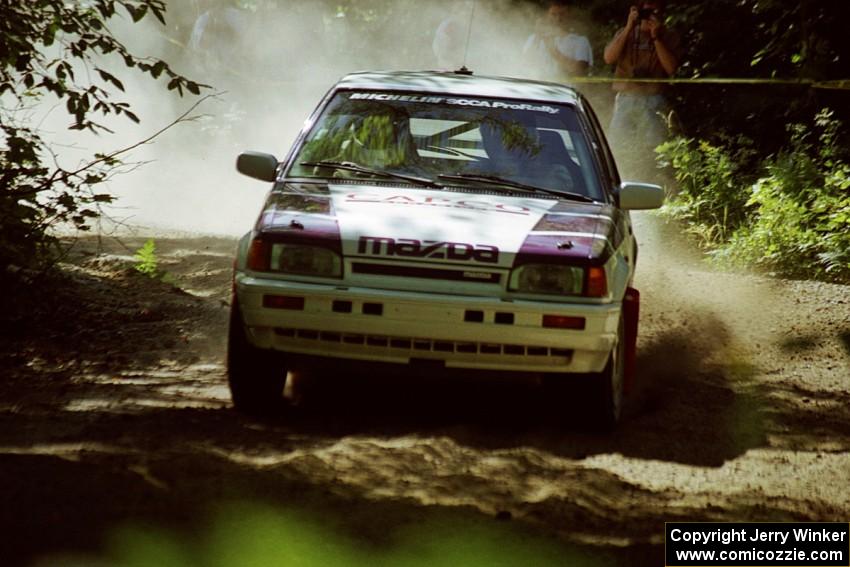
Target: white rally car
[441, 218]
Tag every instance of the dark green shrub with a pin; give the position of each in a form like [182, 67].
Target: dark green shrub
[711, 186]
[800, 210]
[793, 220]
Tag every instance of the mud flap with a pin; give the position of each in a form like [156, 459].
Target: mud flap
[631, 314]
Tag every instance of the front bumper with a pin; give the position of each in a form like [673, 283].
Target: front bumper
[400, 326]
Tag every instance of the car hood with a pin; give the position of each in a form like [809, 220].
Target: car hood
[443, 226]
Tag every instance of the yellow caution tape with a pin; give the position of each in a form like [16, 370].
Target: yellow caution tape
[837, 84]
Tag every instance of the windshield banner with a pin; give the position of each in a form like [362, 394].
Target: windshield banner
[453, 101]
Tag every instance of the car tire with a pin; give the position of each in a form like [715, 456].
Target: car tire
[605, 391]
[256, 376]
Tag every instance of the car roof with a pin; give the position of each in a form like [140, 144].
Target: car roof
[462, 84]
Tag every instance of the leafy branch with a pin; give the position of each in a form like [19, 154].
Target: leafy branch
[58, 48]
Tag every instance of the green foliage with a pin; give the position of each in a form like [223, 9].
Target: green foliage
[711, 182]
[264, 537]
[794, 220]
[800, 210]
[44, 44]
[146, 262]
[759, 39]
[372, 142]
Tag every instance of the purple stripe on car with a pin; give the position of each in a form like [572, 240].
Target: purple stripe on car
[563, 223]
[553, 249]
[300, 219]
[591, 241]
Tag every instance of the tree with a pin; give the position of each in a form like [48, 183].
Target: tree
[791, 44]
[59, 48]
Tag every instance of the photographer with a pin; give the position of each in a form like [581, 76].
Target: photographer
[643, 49]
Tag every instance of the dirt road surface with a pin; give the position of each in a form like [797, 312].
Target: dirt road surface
[114, 416]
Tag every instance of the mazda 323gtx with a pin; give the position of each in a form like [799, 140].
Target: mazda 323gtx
[468, 222]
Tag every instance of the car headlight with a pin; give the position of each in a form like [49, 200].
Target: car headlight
[305, 260]
[549, 279]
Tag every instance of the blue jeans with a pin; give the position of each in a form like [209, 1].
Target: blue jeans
[638, 123]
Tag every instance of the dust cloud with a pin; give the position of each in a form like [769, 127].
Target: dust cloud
[268, 66]
[269, 72]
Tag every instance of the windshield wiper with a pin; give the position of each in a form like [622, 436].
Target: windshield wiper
[481, 178]
[356, 167]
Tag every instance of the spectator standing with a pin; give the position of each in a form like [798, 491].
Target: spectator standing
[643, 49]
[450, 37]
[216, 35]
[556, 48]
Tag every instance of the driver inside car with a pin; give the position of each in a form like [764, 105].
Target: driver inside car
[379, 141]
[528, 155]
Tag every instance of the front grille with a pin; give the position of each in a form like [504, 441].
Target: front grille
[468, 275]
[418, 345]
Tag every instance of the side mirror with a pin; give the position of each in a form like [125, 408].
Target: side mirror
[637, 196]
[257, 165]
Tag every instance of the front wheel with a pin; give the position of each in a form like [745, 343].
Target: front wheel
[605, 391]
[256, 376]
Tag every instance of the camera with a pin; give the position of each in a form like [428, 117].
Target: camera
[646, 13]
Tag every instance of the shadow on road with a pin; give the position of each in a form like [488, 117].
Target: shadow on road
[98, 429]
[684, 409]
[117, 506]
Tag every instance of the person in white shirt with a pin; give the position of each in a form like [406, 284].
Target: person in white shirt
[555, 49]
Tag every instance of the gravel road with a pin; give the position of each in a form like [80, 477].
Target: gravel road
[115, 419]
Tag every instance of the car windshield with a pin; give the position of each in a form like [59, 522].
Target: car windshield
[466, 140]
